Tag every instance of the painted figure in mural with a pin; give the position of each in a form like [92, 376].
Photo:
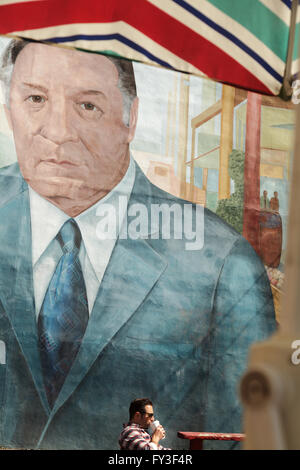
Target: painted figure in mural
[274, 202]
[92, 316]
[134, 435]
[264, 201]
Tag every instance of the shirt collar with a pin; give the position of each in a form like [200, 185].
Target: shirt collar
[133, 425]
[47, 219]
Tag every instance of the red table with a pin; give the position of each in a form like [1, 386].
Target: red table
[196, 438]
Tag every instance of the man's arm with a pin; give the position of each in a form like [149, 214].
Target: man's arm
[135, 439]
[243, 314]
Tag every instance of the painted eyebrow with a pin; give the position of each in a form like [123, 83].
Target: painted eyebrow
[36, 87]
[91, 92]
[80, 92]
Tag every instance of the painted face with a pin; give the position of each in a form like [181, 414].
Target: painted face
[66, 113]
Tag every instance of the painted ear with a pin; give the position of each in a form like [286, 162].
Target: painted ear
[8, 116]
[133, 118]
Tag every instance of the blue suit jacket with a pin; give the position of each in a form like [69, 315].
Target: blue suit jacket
[170, 324]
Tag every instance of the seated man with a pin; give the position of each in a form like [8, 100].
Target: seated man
[134, 435]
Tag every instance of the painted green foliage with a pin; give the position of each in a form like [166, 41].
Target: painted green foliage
[231, 210]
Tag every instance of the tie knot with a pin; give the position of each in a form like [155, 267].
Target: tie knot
[69, 236]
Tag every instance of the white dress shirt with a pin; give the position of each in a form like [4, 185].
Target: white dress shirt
[96, 246]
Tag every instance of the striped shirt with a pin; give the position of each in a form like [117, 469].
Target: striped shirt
[134, 437]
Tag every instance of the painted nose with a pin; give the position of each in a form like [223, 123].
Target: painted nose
[58, 126]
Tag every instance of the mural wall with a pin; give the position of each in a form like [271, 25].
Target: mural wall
[142, 245]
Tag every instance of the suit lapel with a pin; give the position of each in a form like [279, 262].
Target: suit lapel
[122, 291]
[16, 283]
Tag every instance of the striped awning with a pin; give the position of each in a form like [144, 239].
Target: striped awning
[246, 43]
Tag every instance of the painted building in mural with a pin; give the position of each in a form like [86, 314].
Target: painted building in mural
[202, 123]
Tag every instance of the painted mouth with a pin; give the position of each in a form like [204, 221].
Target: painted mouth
[62, 163]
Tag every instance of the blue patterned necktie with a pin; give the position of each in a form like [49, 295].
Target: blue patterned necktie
[64, 314]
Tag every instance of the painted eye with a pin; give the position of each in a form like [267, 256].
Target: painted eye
[88, 107]
[36, 99]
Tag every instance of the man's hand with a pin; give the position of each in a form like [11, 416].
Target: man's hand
[158, 434]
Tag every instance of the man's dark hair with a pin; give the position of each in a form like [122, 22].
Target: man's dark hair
[138, 405]
[126, 82]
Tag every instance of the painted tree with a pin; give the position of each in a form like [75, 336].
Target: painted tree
[231, 209]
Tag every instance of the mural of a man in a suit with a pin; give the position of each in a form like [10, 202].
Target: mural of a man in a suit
[90, 322]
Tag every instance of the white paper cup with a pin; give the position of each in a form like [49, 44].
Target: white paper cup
[154, 425]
